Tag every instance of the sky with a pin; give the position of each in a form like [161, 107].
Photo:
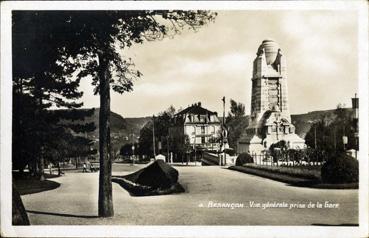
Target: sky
[320, 47]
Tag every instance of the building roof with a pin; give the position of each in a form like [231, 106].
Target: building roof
[196, 109]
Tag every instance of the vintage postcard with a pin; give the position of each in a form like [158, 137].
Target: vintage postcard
[184, 119]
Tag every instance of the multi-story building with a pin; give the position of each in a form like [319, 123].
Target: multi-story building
[202, 127]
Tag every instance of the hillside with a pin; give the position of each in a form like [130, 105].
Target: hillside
[123, 130]
[126, 130]
[303, 122]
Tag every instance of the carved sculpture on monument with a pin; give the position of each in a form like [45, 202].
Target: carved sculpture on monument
[270, 120]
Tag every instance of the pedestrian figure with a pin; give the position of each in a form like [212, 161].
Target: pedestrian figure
[84, 168]
[92, 168]
[50, 168]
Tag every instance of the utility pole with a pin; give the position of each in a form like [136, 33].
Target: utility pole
[314, 136]
[223, 134]
[153, 135]
[168, 159]
[355, 106]
[334, 137]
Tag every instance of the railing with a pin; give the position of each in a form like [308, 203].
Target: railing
[210, 159]
[265, 159]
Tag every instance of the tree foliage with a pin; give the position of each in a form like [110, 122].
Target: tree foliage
[90, 44]
[236, 122]
[326, 135]
[340, 168]
[163, 122]
[237, 110]
[41, 82]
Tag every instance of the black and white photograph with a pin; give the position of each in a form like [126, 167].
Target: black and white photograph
[184, 119]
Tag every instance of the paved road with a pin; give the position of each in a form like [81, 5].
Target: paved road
[75, 201]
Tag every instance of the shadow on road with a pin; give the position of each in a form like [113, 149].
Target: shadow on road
[61, 214]
[27, 184]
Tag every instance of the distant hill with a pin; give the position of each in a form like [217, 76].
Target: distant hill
[118, 124]
[123, 130]
[126, 130]
[303, 122]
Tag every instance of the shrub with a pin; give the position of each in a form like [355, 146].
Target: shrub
[244, 158]
[278, 151]
[296, 155]
[340, 169]
[318, 155]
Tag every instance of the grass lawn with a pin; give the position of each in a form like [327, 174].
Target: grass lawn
[26, 184]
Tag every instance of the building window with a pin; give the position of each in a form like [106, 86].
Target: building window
[291, 130]
[202, 129]
[203, 140]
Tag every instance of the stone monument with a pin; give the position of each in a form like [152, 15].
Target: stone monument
[270, 120]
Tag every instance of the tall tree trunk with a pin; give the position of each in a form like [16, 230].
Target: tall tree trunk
[42, 165]
[105, 185]
[19, 214]
[38, 95]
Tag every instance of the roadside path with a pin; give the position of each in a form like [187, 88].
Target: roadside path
[75, 201]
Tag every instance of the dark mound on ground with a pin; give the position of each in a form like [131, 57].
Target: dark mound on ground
[155, 179]
[244, 158]
[156, 175]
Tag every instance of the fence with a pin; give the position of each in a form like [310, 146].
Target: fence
[267, 159]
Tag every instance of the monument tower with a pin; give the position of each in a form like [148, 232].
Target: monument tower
[270, 120]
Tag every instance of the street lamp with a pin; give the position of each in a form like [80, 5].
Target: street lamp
[345, 141]
[133, 154]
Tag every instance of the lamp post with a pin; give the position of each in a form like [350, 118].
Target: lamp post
[133, 147]
[133, 154]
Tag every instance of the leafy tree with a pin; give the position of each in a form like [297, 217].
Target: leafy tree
[180, 145]
[40, 81]
[162, 123]
[278, 150]
[237, 110]
[92, 42]
[235, 122]
[326, 136]
[126, 149]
